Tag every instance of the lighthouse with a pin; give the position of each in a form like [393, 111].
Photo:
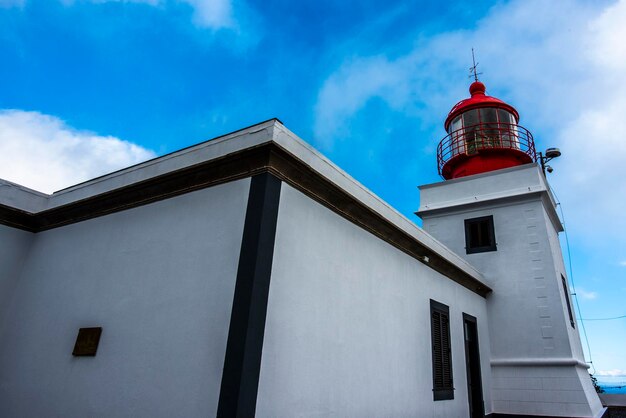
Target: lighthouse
[495, 209]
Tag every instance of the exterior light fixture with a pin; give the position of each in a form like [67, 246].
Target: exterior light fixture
[550, 154]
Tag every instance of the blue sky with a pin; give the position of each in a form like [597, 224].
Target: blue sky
[87, 87]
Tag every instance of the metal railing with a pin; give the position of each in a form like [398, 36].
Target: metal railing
[473, 139]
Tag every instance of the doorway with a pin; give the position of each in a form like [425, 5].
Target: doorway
[472, 367]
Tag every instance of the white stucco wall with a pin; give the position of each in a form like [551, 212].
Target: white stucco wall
[159, 279]
[522, 275]
[559, 266]
[14, 245]
[348, 323]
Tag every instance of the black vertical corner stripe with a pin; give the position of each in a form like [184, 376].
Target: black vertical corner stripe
[242, 363]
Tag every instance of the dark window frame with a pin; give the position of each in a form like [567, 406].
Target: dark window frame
[490, 232]
[569, 303]
[441, 351]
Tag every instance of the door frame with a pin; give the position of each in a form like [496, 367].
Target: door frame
[470, 324]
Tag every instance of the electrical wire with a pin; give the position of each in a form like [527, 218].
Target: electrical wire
[571, 278]
[603, 319]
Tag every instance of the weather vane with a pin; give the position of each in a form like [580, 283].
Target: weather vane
[473, 68]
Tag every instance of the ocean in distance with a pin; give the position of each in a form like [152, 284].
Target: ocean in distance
[612, 384]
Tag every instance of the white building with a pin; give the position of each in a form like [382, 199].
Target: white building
[249, 275]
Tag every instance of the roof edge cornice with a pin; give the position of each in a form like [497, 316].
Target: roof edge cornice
[272, 148]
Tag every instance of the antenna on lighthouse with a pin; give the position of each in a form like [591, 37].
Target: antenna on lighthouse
[474, 67]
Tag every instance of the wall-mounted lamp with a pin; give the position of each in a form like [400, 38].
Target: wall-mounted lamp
[550, 154]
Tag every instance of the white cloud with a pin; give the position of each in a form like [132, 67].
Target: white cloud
[622, 263]
[608, 32]
[524, 47]
[348, 90]
[149, 2]
[41, 152]
[12, 3]
[213, 14]
[562, 64]
[585, 294]
[612, 372]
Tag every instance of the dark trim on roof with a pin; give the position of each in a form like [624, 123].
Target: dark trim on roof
[220, 170]
[17, 218]
[267, 157]
[308, 181]
[178, 151]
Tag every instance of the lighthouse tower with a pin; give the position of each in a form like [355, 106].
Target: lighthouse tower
[496, 210]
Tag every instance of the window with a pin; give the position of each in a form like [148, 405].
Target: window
[479, 235]
[569, 305]
[442, 356]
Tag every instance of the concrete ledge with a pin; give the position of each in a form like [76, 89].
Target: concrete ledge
[538, 362]
[613, 399]
[604, 413]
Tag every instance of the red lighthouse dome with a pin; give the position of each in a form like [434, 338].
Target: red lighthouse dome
[483, 135]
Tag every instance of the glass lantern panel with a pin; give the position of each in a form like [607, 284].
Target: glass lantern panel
[470, 126]
[488, 115]
[455, 125]
[470, 118]
[456, 136]
[510, 138]
[489, 134]
[505, 117]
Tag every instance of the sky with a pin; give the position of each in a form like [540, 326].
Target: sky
[91, 86]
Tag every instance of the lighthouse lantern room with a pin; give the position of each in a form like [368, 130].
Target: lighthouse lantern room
[483, 135]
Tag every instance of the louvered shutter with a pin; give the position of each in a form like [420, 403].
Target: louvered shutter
[442, 358]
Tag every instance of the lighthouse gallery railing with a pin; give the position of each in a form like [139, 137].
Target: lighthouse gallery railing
[473, 139]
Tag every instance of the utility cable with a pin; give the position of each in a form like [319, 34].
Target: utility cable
[603, 319]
